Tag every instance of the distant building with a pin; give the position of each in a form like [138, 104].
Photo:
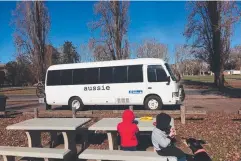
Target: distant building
[232, 72]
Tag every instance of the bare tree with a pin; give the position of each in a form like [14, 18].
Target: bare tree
[210, 23]
[86, 53]
[152, 49]
[101, 53]
[32, 23]
[52, 56]
[234, 60]
[113, 23]
[182, 55]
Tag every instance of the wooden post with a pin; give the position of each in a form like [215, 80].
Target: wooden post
[131, 108]
[183, 114]
[36, 113]
[74, 113]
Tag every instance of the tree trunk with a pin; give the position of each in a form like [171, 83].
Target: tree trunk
[117, 29]
[219, 79]
[215, 17]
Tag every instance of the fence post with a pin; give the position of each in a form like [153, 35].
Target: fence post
[36, 113]
[74, 113]
[183, 114]
[131, 108]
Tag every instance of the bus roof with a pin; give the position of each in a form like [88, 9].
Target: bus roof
[108, 63]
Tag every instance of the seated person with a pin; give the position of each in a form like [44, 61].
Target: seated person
[127, 131]
[162, 136]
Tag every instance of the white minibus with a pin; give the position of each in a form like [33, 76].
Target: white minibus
[143, 81]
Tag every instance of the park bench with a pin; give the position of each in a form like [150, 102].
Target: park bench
[96, 154]
[9, 153]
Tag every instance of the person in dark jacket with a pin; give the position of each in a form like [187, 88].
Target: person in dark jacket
[128, 130]
[162, 136]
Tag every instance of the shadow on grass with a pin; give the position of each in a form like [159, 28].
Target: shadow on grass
[235, 78]
[22, 106]
[124, 107]
[227, 91]
[238, 120]
[10, 114]
[117, 107]
[190, 119]
[198, 84]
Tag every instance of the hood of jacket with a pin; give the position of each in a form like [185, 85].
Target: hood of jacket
[128, 116]
[163, 122]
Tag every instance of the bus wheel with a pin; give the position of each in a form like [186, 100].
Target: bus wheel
[153, 103]
[76, 104]
[48, 107]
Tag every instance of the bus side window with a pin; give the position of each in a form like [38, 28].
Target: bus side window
[79, 76]
[120, 74]
[53, 78]
[106, 75]
[66, 77]
[151, 74]
[156, 73]
[161, 74]
[92, 76]
[135, 74]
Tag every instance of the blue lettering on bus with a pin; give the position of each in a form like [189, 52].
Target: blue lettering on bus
[135, 91]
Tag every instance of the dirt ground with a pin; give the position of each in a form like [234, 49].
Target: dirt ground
[213, 103]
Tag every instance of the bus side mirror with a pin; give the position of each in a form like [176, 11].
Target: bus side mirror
[168, 80]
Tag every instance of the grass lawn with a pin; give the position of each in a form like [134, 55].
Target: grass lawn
[210, 78]
[232, 80]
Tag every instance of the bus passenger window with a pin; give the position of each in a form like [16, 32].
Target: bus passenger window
[106, 75]
[66, 77]
[135, 74]
[92, 76]
[78, 76]
[53, 78]
[120, 74]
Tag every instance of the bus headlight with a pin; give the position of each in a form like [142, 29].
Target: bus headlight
[175, 94]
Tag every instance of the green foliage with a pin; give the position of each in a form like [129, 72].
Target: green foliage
[11, 74]
[209, 78]
[18, 72]
[69, 55]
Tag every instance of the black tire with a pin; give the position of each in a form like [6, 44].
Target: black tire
[48, 107]
[153, 98]
[77, 100]
[40, 93]
[183, 95]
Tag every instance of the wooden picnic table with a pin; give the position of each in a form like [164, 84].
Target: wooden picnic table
[67, 126]
[110, 125]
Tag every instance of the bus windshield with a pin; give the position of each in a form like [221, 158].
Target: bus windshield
[170, 72]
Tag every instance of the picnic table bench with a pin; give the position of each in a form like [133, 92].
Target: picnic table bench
[69, 127]
[96, 154]
[110, 125]
[9, 153]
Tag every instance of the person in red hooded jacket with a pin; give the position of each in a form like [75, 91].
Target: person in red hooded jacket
[128, 130]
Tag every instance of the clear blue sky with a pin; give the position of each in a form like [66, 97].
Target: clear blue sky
[164, 21]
